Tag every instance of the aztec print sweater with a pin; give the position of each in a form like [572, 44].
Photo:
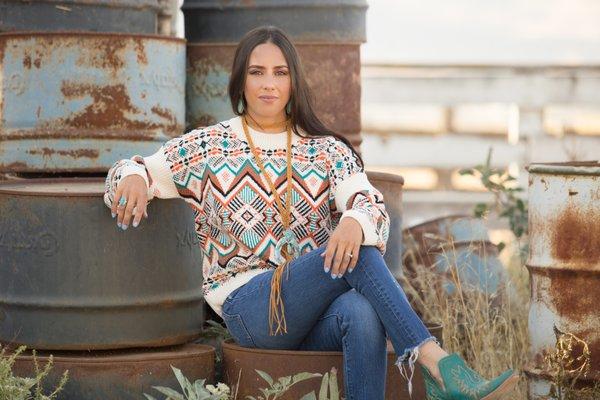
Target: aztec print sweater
[236, 217]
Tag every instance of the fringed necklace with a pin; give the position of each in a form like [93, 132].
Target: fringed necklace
[287, 247]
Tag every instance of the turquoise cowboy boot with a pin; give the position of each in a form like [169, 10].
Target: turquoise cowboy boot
[462, 383]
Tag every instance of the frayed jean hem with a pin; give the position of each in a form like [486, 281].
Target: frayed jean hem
[411, 355]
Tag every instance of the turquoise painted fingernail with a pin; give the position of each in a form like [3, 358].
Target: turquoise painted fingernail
[350, 270]
[333, 276]
[119, 224]
[124, 227]
[340, 275]
[135, 224]
[326, 270]
[113, 215]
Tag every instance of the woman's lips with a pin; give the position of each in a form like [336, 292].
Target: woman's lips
[268, 99]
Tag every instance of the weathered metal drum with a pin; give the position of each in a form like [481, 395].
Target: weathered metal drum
[564, 265]
[305, 20]
[125, 16]
[70, 279]
[280, 363]
[459, 241]
[390, 185]
[327, 35]
[124, 374]
[78, 102]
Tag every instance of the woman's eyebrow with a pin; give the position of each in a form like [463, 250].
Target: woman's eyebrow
[261, 67]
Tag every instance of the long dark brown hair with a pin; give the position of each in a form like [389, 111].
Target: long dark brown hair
[302, 111]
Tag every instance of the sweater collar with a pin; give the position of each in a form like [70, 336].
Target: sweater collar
[269, 141]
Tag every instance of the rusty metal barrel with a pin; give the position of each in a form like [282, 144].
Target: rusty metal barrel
[123, 374]
[79, 102]
[326, 33]
[390, 186]
[70, 279]
[280, 363]
[564, 267]
[125, 16]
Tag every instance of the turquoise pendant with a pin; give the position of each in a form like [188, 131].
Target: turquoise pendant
[293, 248]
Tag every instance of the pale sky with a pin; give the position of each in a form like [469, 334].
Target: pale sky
[483, 31]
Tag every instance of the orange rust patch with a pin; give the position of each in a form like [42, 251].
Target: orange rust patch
[575, 294]
[576, 237]
[112, 108]
[103, 53]
[140, 50]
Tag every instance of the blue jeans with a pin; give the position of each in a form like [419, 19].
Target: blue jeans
[351, 314]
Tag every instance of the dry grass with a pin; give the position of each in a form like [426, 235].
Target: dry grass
[489, 331]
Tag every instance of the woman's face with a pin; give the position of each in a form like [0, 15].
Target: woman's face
[268, 83]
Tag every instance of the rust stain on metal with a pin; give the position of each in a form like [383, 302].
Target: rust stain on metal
[166, 114]
[105, 54]
[576, 237]
[57, 130]
[111, 107]
[574, 294]
[80, 153]
[16, 166]
[140, 50]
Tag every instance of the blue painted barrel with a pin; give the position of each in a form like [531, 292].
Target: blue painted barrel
[455, 241]
[79, 102]
[70, 279]
[124, 16]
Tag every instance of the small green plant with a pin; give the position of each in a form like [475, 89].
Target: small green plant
[195, 391]
[276, 388]
[329, 388]
[507, 204]
[19, 388]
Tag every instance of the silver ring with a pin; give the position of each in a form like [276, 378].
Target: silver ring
[122, 201]
[349, 255]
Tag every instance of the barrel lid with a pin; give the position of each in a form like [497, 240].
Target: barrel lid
[214, 4]
[68, 187]
[136, 4]
[305, 21]
[566, 168]
[88, 34]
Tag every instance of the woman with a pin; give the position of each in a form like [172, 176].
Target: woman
[317, 251]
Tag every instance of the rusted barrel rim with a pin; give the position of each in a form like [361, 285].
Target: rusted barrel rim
[190, 350]
[592, 376]
[547, 270]
[263, 4]
[438, 219]
[231, 345]
[139, 4]
[461, 243]
[88, 34]
[15, 191]
[567, 168]
[386, 176]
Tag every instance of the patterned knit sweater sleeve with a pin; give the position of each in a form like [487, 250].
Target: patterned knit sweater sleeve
[352, 195]
[165, 172]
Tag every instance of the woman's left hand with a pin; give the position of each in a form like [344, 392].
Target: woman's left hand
[345, 239]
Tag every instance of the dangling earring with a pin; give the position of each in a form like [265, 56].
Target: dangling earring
[288, 107]
[241, 101]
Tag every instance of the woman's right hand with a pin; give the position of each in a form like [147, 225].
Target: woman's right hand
[133, 189]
